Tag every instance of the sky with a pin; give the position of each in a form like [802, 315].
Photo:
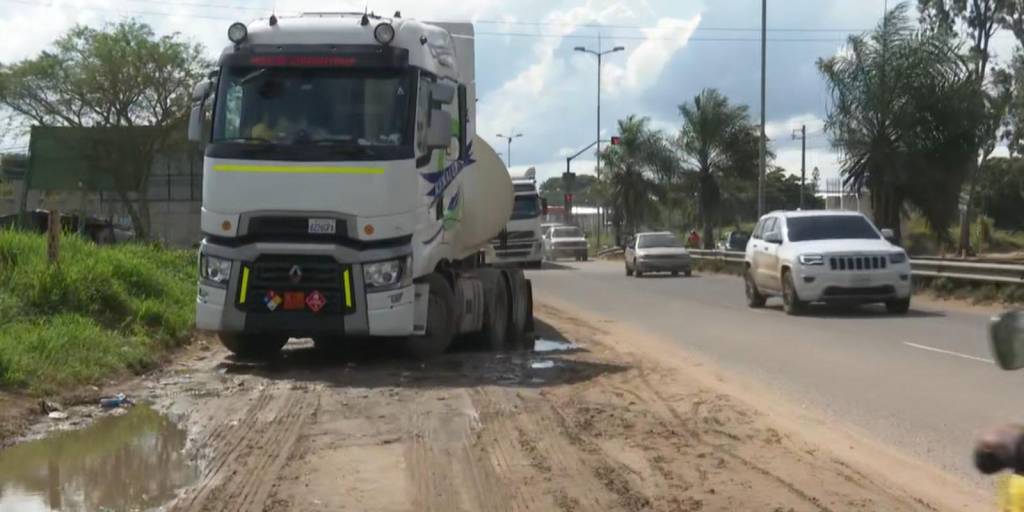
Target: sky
[529, 79]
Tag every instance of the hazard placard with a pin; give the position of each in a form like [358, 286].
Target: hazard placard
[316, 301]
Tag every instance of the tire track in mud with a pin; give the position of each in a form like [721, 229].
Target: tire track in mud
[249, 452]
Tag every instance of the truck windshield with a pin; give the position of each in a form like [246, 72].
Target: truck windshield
[525, 207]
[312, 106]
[830, 227]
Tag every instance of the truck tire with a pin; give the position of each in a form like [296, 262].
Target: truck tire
[440, 320]
[253, 346]
[519, 310]
[496, 319]
[530, 339]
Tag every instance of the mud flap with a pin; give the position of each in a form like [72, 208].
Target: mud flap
[421, 302]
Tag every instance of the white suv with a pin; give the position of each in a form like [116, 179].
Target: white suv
[825, 256]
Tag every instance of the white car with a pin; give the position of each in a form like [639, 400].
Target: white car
[825, 256]
[659, 251]
[565, 242]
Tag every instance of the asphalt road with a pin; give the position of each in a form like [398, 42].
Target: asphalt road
[923, 383]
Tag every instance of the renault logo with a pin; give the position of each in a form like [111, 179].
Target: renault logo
[295, 274]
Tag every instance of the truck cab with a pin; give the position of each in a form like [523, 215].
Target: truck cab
[345, 193]
[521, 242]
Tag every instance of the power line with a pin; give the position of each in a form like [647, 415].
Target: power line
[642, 27]
[644, 38]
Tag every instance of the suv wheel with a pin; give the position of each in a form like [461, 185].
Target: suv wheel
[790, 300]
[754, 297]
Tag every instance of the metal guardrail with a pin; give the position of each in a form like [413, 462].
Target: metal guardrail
[951, 269]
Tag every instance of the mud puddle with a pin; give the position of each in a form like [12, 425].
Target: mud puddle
[135, 461]
[546, 345]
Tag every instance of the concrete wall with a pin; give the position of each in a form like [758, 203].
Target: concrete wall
[175, 198]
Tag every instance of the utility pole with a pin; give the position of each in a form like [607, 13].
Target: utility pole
[802, 135]
[599, 54]
[761, 147]
[508, 155]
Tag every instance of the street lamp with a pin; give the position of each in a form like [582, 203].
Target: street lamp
[508, 155]
[599, 54]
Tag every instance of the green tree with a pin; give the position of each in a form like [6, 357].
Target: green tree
[1001, 192]
[977, 21]
[120, 76]
[632, 171]
[717, 144]
[905, 114]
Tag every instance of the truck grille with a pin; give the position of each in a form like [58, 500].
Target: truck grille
[282, 274]
[857, 262]
[312, 272]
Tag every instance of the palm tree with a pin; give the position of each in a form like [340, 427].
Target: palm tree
[633, 168]
[717, 142]
[905, 111]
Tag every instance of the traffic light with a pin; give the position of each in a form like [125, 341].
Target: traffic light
[616, 140]
[568, 200]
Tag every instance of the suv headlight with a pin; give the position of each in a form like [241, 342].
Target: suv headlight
[215, 270]
[898, 257]
[386, 274]
[812, 259]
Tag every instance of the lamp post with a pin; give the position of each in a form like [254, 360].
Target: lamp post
[599, 54]
[508, 155]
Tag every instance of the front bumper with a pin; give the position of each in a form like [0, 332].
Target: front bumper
[349, 309]
[663, 265]
[518, 252]
[819, 284]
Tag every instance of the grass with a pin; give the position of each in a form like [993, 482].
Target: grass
[101, 311]
[919, 240]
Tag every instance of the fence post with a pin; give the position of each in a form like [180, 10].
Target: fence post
[53, 237]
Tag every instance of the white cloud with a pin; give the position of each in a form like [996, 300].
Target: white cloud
[783, 130]
[645, 64]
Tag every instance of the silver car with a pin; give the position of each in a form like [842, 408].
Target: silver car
[659, 251]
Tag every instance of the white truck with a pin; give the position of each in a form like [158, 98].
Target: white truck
[520, 242]
[345, 192]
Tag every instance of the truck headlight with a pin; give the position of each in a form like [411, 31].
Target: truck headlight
[386, 274]
[812, 259]
[215, 270]
[897, 257]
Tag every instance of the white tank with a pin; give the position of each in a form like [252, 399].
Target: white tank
[487, 200]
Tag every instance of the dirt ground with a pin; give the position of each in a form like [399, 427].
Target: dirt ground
[617, 422]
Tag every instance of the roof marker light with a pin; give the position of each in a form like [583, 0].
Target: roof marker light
[237, 33]
[384, 33]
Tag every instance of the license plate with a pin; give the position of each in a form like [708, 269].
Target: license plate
[322, 226]
[860, 280]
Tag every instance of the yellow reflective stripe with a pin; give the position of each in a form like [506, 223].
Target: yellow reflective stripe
[297, 169]
[245, 285]
[348, 288]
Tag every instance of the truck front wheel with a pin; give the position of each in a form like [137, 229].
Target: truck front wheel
[253, 346]
[440, 320]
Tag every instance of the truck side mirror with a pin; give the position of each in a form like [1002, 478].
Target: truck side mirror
[439, 133]
[1007, 334]
[890, 235]
[200, 93]
[442, 93]
[544, 205]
